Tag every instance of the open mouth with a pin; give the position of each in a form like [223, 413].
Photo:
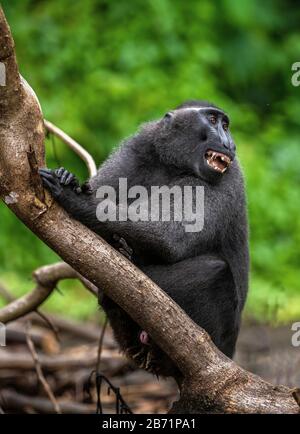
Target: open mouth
[217, 161]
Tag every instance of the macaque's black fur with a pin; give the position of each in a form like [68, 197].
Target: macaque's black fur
[205, 272]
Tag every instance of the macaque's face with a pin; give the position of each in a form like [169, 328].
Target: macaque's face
[198, 140]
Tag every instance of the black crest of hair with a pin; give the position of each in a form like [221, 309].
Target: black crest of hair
[205, 272]
[195, 103]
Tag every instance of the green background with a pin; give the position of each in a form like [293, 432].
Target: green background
[100, 68]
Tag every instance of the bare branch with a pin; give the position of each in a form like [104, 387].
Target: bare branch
[40, 374]
[51, 274]
[49, 322]
[46, 278]
[25, 304]
[9, 298]
[5, 294]
[76, 147]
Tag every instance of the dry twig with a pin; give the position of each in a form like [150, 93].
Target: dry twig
[39, 372]
[76, 147]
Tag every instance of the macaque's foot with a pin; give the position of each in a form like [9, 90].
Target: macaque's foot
[121, 245]
[56, 180]
[143, 358]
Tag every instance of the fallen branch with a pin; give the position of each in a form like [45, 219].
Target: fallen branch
[11, 400]
[43, 338]
[89, 332]
[211, 382]
[23, 361]
[140, 390]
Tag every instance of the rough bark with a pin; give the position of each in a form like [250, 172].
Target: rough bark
[211, 382]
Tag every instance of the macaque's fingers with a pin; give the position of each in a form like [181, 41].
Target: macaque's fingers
[48, 174]
[125, 246]
[64, 177]
[44, 170]
[59, 172]
[50, 181]
[70, 179]
[122, 246]
[54, 188]
[125, 253]
[47, 183]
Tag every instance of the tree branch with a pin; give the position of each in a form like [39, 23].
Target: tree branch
[46, 278]
[211, 382]
[76, 147]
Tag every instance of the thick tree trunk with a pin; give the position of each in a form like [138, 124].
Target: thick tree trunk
[211, 382]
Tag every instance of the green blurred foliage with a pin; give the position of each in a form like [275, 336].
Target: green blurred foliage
[102, 67]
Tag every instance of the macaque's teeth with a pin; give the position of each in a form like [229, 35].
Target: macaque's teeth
[213, 158]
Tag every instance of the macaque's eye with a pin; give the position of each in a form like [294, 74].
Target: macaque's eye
[213, 119]
[225, 126]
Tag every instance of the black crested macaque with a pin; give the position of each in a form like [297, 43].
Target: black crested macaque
[205, 271]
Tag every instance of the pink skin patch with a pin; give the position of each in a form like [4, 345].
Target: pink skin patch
[144, 337]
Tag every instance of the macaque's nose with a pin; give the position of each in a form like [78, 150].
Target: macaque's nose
[229, 145]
